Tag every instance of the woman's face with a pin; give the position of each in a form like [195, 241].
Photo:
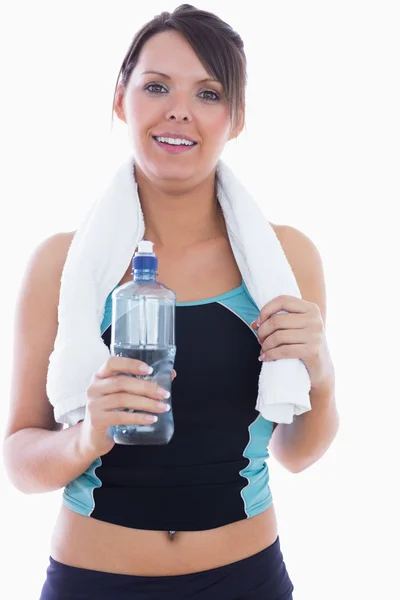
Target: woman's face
[169, 103]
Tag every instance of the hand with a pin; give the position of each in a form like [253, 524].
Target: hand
[108, 391]
[296, 333]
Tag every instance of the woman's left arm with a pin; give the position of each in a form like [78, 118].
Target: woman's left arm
[300, 333]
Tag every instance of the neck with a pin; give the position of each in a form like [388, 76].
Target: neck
[176, 217]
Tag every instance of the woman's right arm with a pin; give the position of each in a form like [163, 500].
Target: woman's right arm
[40, 455]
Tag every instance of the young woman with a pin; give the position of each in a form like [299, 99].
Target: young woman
[193, 518]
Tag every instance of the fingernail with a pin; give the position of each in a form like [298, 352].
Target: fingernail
[146, 369]
[151, 418]
[163, 393]
[165, 407]
[261, 357]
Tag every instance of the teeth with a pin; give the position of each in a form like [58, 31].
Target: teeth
[174, 141]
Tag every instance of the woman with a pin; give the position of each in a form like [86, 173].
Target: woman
[181, 520]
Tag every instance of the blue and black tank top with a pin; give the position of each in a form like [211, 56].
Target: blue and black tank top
[213, 471]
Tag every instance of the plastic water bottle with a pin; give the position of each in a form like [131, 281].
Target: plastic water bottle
[143, 327]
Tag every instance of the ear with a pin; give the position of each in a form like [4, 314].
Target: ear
[237, 130]
[119, 102]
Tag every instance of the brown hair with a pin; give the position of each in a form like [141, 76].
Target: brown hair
[217, 45]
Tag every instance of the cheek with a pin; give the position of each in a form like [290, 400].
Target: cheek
[139, 114]
[217, 125]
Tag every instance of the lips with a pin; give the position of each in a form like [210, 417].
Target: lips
[174, 148]
[175, 142]
[175, 135]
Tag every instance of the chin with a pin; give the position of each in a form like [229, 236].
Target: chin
[155, 170]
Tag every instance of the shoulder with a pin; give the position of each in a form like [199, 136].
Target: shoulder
[39, 290]
[58, 242]
[306, 263]
[52, 252]
[295, 243]
[46, 262]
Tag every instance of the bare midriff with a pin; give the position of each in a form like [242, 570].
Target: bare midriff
[88, 543]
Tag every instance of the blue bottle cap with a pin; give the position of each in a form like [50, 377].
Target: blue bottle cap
[145, 259]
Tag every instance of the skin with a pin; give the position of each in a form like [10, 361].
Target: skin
[184, 221]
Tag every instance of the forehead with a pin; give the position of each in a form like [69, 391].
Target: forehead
[169, 52]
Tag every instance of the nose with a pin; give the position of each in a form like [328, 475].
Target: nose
[179, 112]
[178, 115]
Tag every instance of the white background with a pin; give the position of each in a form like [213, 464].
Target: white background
[321, 153]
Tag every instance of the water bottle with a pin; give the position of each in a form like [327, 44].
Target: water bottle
[143, 327]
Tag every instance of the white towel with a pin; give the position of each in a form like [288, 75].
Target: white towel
[97, 260]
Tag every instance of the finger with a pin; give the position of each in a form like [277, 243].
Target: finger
[110, 419]
[123, 364]
[173, 374]
[282, 321]
[132, 385]
[132, 402]
[284, 336]
[288, 351]
[290, 304]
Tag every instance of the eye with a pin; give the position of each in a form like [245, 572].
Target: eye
[155, 88]
[209, 95]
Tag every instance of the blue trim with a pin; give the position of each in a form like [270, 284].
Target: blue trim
[243, 306]
[107, 318]
[257, 494]
[220, 298]
[78, 494]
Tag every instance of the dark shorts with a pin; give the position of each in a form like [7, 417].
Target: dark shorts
[262, 576]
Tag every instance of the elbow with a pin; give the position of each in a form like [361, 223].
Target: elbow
[13, 467]
[300, 461]
[19, 485]
[299, 467]
[289, 457]
[296, 448]
[16, 480]
[289, 462]
[294, 466]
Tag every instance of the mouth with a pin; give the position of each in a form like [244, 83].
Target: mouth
[174, 144]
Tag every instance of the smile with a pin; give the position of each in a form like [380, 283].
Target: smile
[174, 145]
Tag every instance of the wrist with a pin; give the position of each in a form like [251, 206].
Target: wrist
[325, 384]
[82, 450]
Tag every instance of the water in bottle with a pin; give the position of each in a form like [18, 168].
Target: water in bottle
[143, 327]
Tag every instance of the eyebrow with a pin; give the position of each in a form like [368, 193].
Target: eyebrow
[207, 79]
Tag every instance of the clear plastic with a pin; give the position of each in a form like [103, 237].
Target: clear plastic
[143, 327]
